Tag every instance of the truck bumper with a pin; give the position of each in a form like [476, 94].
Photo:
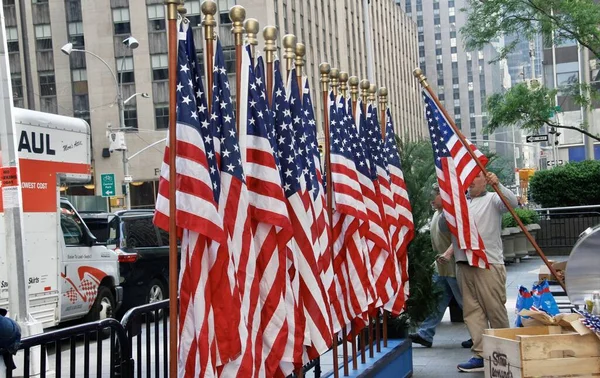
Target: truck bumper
[119, 296]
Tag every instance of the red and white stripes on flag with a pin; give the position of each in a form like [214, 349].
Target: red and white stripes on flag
[455, 169]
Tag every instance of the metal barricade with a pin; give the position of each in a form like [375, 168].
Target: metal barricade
[149, 326]
[80, 340]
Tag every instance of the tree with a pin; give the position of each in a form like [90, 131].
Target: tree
[558, 20]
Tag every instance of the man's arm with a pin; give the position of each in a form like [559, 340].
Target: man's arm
[508, 194]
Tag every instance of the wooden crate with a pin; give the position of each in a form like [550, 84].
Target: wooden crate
[540, 352]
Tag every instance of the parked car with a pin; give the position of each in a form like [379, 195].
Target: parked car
[143, 252]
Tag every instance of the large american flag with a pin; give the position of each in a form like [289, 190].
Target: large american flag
[455, 169]
[312, 293]
[269, 214]
[202, 276]
[350, 293]
[385, 265]
[404, 234]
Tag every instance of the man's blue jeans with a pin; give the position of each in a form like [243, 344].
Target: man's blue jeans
[449, 288]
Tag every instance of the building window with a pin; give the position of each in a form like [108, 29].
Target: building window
[130, 117]
[436, 20]
[160, 67]
[193, 12]
[452, 19]
[156, 17]
[17, 85]
[121, 21]
[441, 97]
[47, 83]
[73, 8]
[12, 38]
[456, 110]
[224, 6]
[453, 50]
[39, 1]
[161, 116]
[440, 81]
[43, 37]
[451, 11]
[80, 84]
[455, 80]
[76, 34]
[125, 69]
[438, 51]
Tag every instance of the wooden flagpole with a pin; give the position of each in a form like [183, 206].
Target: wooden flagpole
[334, 83]
[251, 26]
[372, 99]
[325, 69]
[353, 81]
[237, 15]
[343, 78]
[364, 86]
[300, 51]
[209, 9]
[418, 73]
[173, 274]
[270, 35]
[383, 93]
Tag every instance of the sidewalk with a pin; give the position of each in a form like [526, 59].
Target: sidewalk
[446, 353]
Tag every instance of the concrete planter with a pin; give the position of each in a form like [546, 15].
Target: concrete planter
[520, 244]
[508, 243]
[533, 230]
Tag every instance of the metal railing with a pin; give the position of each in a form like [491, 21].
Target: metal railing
[48, 348]
[560, 227]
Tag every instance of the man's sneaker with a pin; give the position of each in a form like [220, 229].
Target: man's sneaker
[467, 344]
[473, 365]
[417, 339]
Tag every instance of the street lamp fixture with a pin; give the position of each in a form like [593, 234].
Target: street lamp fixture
[132, 43]
[144, 95]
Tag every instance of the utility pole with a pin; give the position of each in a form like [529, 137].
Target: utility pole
[587, 113]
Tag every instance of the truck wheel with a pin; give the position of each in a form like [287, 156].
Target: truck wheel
[103, 308]
[156, 293]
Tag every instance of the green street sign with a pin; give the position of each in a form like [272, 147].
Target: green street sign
[108, 184]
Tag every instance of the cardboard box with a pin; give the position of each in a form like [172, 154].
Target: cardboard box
[539, 352]
[559, 266]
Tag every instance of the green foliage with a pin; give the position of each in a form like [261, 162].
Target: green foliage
[487, 21]
[419, 175]
[526, 216]
[574, 184]
[500, 165]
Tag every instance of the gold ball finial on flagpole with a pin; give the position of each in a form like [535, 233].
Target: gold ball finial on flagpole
[270, 36]
[364, 87]
[237, 15]
[383, 97]
[344, 83]
[418, 73]
[353, 82]
[181, 8]
[300, 51]
[251, 26]
[372, 92]
[289, 50]
[209, 9]
[334, 75]
[325, 69]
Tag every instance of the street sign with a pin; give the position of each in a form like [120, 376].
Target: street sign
[537, 138]
[551, 163]
[108, 184]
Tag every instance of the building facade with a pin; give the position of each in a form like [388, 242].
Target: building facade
[84, 84]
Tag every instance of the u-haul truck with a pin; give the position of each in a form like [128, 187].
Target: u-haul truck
[69, 276]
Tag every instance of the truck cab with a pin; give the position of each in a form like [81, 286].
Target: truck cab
[69, 275]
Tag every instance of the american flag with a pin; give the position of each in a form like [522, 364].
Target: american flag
[406, 228]
[455, 169]
[312, 294]
[202, 230]
[384, 260]
[268, 215]
[351, 291]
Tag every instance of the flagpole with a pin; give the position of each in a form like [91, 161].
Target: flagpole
[209, 9]
[325, 69]
[251, 26]
[300, 51]
[383, 94]
[418, 73]
[289, 52]
[173, 275]
[270, 35]
[364, 87]
[334, 83]
[237, 15]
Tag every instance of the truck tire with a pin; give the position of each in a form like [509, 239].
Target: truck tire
[103, 308]
[157, 291]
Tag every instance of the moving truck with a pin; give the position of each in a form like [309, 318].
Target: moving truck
[69, 275]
